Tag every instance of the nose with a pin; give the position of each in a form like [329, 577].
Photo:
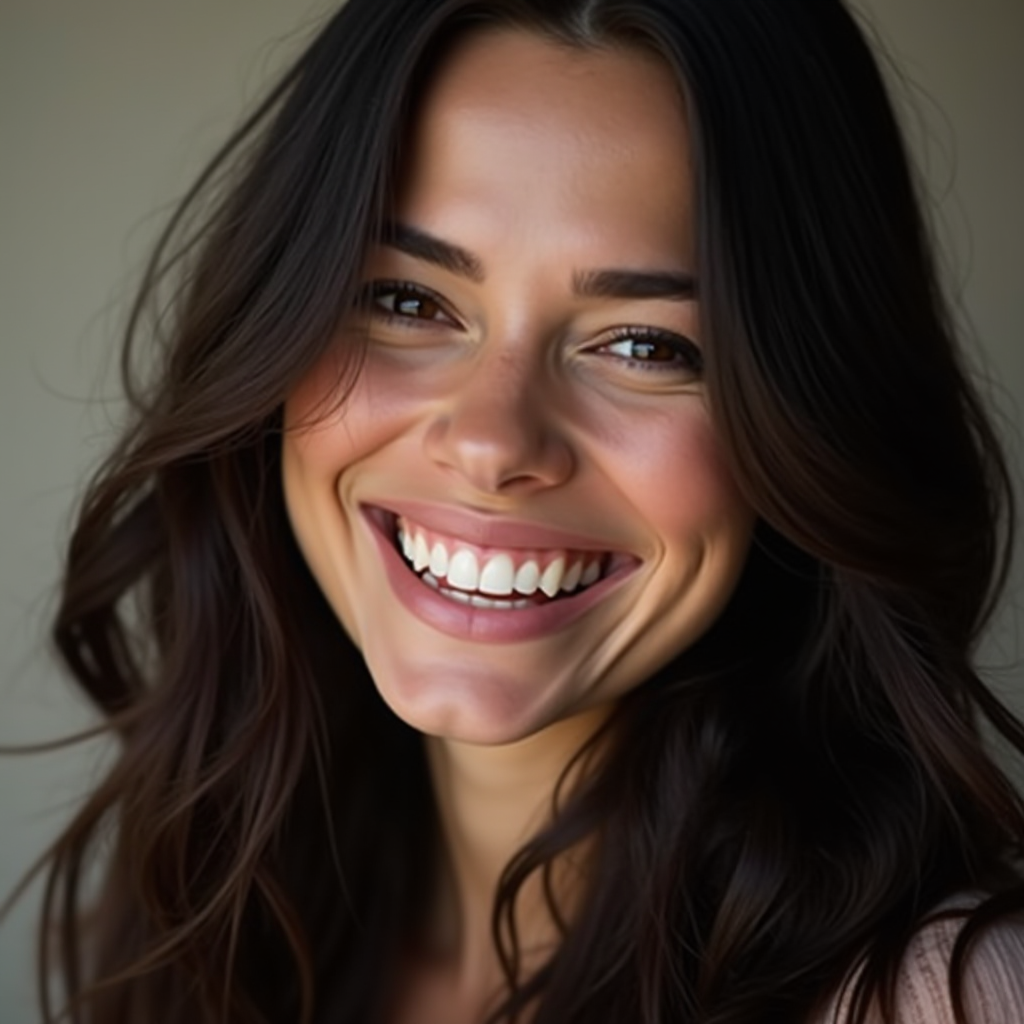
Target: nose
[498, 430]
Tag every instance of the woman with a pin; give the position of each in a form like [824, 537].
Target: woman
[540, 580]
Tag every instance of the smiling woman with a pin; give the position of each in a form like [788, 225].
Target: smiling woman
[530, 372]
[558, 535]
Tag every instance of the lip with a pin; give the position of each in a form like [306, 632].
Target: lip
[485, 625]
[487, 531]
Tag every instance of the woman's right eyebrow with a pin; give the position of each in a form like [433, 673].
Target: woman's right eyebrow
[423, 246]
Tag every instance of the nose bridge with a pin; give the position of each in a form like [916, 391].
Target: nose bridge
[505, 389]
[498, 428]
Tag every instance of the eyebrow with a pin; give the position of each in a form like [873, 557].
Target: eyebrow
[422, 246]
[634, 284]
[610, 283]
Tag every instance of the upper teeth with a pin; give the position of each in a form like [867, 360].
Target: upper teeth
[498, 573]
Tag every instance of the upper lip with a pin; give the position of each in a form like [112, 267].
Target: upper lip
[485, 530]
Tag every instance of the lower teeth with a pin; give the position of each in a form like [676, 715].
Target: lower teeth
[476, 600]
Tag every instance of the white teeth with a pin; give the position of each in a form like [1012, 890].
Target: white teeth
[498, 576]
[527, 578]
[463, 572]
[472, 599]
[572, 577]
[551, 581]
[421, 554]
[482, 602]
[439, 560]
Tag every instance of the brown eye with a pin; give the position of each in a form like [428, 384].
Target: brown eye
[407, 302]
[645, 348]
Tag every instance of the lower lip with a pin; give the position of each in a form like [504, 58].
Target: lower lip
[485, 625]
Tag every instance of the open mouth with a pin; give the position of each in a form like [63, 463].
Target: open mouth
[496, 577]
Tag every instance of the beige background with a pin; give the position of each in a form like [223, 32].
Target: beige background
[108, 107]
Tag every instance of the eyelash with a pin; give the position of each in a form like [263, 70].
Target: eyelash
[375, 291]
[686, 353]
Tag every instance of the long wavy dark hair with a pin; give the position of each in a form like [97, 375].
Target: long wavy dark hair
[777, 811]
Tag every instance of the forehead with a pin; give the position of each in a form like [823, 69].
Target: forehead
[517, 127]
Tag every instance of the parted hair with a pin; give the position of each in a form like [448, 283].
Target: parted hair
[776, 810]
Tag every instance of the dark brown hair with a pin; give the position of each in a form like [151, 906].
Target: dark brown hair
[783, 802]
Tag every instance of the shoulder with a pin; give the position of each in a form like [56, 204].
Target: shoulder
[993, 973]
[993, 978]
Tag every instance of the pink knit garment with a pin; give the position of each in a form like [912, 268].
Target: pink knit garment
[993, 976]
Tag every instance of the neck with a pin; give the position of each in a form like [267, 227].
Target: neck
[491, 801]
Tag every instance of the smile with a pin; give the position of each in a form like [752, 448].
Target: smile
[470, 574]
[485, 579]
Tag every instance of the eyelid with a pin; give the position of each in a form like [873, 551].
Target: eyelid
[649, 331]
[373, 290]
[684, 345]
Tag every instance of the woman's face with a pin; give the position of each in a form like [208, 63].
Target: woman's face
[530, 424]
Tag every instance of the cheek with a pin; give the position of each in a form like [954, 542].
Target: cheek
[313, 410]
[321, 440]
[696, 487]
[674, 472]
[699, 526]
[332, 419]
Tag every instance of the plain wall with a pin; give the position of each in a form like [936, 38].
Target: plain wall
[107, 109]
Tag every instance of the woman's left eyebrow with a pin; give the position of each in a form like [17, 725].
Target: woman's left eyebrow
[635, 284]
[610, 283]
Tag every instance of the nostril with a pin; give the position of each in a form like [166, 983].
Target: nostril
[499, 450]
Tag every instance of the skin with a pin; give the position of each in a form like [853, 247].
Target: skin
[508, 394]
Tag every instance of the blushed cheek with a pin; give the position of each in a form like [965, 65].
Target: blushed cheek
[680, 478]
[313, 402]
[330, 420]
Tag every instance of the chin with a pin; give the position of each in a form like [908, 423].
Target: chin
[466, 704]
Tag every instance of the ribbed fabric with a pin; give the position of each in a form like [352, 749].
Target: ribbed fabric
[993, 976]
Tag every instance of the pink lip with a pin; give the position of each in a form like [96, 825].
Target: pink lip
[492, 531]
[485, 625]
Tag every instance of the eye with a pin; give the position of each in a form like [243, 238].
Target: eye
[652, 350]
[403, 301]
